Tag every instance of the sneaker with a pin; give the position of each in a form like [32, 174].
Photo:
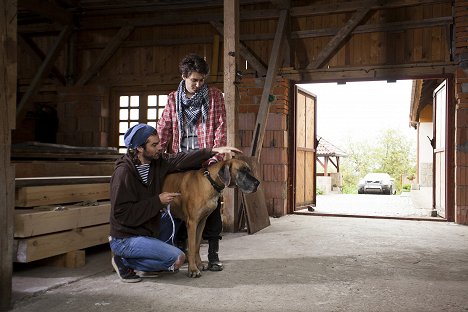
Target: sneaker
[126, 274]
[148, 273]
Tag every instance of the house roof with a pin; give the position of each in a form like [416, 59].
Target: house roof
[325, 148]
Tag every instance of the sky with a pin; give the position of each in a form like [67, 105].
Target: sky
[361, 110]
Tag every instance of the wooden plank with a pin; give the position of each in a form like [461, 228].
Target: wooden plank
[71, 260]
[30, 169]
[254, 204]
[231, 99]
[31, 196]
[41, 181]
[32, 222]
[106, 54]
[260, 125]
[44, 246]
[8, 79]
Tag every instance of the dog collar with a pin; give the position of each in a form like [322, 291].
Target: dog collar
[216, 186]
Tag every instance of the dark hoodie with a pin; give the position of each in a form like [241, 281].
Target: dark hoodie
[135, 206]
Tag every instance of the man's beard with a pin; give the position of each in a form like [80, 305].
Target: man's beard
[149, 157]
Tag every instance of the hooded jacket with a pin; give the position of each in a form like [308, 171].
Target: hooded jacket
[135, 206]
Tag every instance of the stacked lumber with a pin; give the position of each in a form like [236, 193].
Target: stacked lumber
[62, 205]
[59, 219]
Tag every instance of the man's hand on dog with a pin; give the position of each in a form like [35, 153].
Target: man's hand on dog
[166, 198]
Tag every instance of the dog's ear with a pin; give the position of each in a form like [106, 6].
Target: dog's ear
[225, 174]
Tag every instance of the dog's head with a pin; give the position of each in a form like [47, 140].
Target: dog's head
[236, 172]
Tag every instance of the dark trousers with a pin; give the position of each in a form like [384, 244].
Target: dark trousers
[212, 230]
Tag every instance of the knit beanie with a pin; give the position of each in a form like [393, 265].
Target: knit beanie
[137, 135]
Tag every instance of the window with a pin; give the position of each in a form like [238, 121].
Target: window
[134, 109]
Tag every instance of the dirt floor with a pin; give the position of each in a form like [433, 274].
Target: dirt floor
[299, 263]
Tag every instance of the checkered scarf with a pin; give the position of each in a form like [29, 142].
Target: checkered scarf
[189, 110]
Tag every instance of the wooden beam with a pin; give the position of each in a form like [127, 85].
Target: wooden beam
[106, 54]
[381, 72]
[30, 196]
[244, 51]
[231, 99]
[342, 35]
[44, 246]
[8, 76]
[260, 125]
[300, 34]
[187, 17]
[36, 53]
[33, 222]
[43, 71]
[48, 9]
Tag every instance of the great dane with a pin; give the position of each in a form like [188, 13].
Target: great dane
[200, 191]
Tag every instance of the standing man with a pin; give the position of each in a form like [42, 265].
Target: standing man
[194, 118]
[137, 203]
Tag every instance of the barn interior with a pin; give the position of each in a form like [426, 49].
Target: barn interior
[77, 73]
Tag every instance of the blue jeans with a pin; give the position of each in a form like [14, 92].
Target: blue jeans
[144, 253]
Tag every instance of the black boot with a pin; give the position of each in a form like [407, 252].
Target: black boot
[213, 260]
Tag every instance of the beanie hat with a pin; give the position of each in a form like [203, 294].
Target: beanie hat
[137, 135]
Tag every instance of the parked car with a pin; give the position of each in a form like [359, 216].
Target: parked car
[377, 183]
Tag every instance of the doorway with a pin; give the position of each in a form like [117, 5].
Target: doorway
[367, 116]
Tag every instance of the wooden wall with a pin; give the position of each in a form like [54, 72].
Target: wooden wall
[409, 40]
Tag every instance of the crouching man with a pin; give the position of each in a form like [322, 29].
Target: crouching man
[137, 203]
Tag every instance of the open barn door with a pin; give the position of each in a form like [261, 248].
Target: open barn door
[305, 148]
[440, 113]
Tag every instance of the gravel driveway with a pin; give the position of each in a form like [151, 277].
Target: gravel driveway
[416, 203]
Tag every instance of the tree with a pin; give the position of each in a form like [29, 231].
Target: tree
[393, 153]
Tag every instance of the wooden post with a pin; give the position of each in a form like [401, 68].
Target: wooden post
[8, 76]
[231, 53]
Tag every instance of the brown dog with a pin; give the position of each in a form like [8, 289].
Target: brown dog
[200, 191]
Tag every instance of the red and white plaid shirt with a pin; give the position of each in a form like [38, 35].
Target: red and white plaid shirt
[215, 135]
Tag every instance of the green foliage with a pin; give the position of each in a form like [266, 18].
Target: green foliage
[392, 153]
[318, 191]
[406, 188]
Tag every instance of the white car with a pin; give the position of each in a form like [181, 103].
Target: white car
[377, 183]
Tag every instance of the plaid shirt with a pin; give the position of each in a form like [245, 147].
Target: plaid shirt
[215, 135]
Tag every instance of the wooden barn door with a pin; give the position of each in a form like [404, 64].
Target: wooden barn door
[440, 113]
[305, 148]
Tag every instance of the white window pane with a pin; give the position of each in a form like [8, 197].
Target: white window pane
[123, 114]
[133, 123]
[134, 101]
[160, 113]
[152, 100]
[121, 140]
[124, 101]
[122, 150]
[134, 113]
[162, 100]
[151, 113]
[123, 126]
[152, 124]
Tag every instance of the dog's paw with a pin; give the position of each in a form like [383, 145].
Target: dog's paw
[194, 274]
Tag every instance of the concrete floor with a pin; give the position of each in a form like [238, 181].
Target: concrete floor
[299, 263]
